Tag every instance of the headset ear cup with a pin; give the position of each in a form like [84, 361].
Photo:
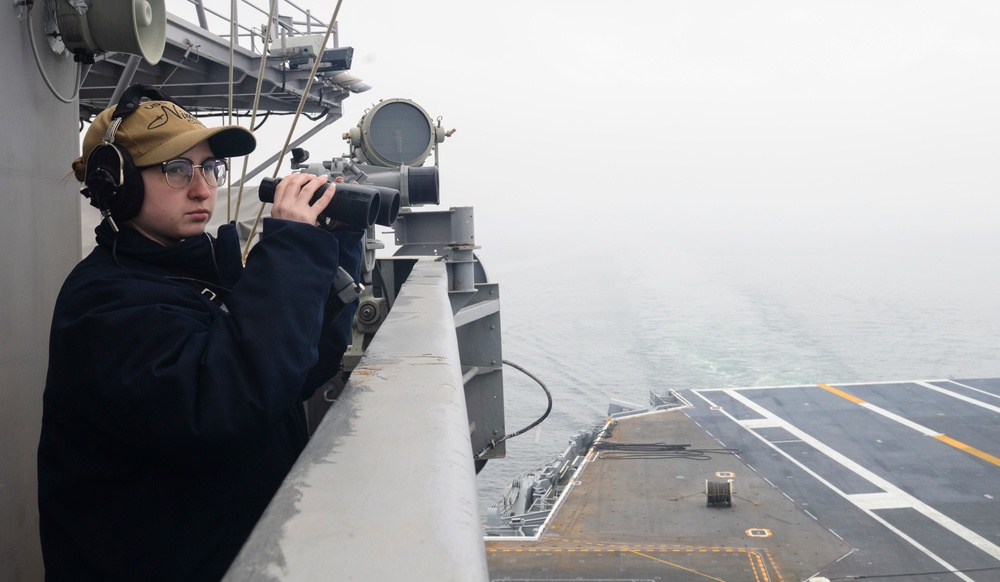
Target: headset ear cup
[131, 194]
[113, 182]
[104, 170]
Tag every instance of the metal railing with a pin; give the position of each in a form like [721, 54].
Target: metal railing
[386, 488]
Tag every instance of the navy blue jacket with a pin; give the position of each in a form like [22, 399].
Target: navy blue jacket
[169, 422]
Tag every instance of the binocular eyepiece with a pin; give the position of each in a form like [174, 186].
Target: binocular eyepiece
[355, 204]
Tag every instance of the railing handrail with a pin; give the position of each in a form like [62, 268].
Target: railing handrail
[386, 488]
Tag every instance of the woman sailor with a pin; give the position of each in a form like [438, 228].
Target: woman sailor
[173, 403]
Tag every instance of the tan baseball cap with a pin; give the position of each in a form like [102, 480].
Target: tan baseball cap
[158, 131]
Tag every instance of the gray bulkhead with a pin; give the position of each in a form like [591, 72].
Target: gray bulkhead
[40, 237]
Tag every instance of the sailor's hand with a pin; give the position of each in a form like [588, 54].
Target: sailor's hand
[336, 223]
[292, 196]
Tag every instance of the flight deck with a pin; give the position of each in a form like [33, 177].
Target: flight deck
[892, 481]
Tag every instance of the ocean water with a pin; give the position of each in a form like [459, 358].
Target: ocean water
[709, 312]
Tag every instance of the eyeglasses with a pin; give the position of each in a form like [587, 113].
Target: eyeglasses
[180, 171]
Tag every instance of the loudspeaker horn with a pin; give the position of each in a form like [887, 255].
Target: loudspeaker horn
[137, 27]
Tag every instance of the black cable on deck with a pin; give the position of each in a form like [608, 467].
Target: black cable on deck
[609, 450]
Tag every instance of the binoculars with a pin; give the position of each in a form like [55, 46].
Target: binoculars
[355, 204]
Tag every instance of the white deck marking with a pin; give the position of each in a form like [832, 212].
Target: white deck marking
[921, 428]
[962, 397]
[873, 501]
[892, 496]
[973, 388]
[901, 420]
[760, 423]
[787, 386]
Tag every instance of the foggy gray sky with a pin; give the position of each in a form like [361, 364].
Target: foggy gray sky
[615, 122]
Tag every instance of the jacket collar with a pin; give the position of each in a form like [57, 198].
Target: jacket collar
[201, 257]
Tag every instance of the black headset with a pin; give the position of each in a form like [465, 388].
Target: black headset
[112, 182]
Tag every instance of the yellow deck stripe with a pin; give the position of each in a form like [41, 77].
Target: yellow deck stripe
[945, 439]
[971, 450]
[678, 566]
[842, 394]
[759, 570]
